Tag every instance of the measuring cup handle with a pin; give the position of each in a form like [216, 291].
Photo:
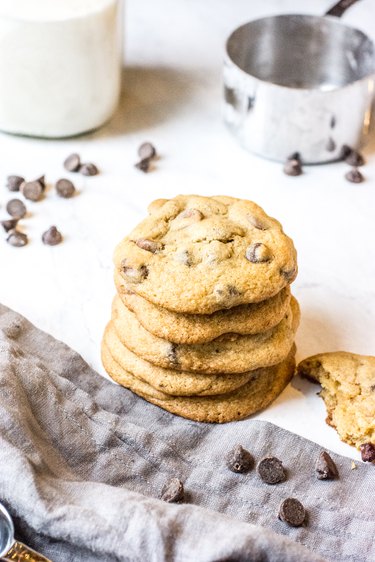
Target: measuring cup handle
[341, 7]
[22, 553]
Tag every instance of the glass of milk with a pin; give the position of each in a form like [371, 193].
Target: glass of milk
[60, 65]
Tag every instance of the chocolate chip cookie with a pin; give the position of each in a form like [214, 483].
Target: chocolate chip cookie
[255, 395]
[231, 353]
[348, 390]
[200, 328]
[168, 381]
[197, 255]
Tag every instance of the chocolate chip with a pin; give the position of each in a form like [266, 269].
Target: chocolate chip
[149, 245]
[16, 208]
[292, 167]
[354, 158]
[233, 291]
[289, 274]
[367, 452]
[72, 163]
[13, 182]
[65, 188]
[332, 123]
[258, 253]
[32, 190]
[42, 181]
[354, 176]
[292, 512]
[17, 239]
[295, 156]
[132, 274]
[174, 492]
[144, 165]
[239, 460]
[325, 467]
[331, 145]
[146, 151]
[88, 169]
[345, 151]
[52, 236]
[271, 470]
[9, 224]
[258, 223]
[172, 354]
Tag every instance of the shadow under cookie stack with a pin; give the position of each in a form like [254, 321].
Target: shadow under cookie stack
[203, 323]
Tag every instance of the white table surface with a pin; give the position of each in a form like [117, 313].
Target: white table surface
[172, 96]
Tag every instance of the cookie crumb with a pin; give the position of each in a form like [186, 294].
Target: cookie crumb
[353, 466]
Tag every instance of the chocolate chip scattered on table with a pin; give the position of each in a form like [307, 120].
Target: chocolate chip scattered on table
[354, 158]
[73, 163]
[17, 239]
[239, 460]
[293, 165]
[33, 190]
[9, 224]
[147, 153]
[354, 176]
[16, 208]
[52, 236]
[144, 165]
[88, 169]
[271, 470]
[174, 491]
[65, 188]
[325, 467]
[291, 511]
[13, 183]
[146, 150]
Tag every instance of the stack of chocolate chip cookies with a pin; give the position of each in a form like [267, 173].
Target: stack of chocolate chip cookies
[203, 322]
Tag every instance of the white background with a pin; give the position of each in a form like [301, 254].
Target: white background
[172, 96]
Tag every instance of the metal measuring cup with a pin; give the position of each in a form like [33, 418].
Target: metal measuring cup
[299, 83]
[10, 549]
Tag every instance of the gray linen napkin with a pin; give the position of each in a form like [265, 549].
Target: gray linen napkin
[83, 462]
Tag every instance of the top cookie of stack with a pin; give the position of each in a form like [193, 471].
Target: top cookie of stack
[198, 255]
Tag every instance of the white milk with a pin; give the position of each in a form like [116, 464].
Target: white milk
[60, 65]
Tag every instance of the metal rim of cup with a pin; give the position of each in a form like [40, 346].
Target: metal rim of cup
[332, 21]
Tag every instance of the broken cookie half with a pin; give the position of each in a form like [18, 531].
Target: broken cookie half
[348, 390]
